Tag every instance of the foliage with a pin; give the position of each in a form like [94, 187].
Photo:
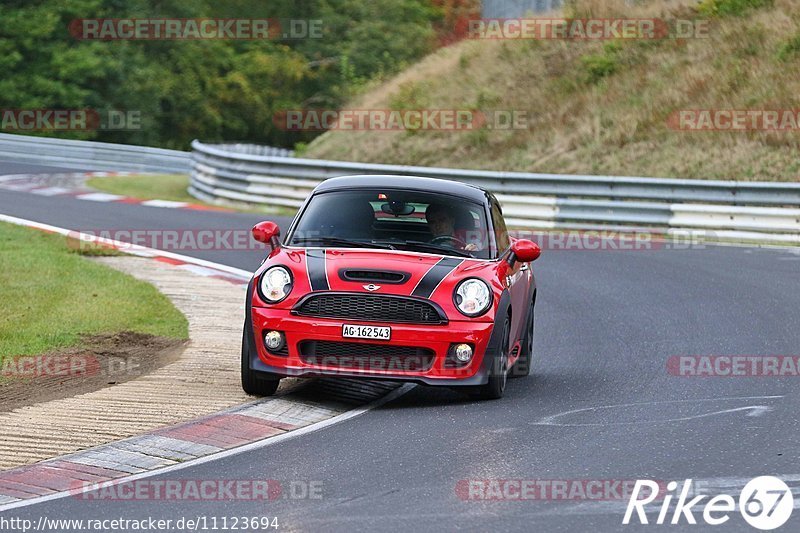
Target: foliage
[208, 89]
[789, 49]
[598, 66]
[730, 7]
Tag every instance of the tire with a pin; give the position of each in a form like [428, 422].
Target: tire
[498, 375]
[256, 383]
[522, 367]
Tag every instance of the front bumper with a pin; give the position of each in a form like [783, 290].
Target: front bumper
[435, 340]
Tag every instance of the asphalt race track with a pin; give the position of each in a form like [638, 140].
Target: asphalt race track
[600, 405]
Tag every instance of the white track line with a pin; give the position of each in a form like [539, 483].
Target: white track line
[396, 393]
[164, 203]
[133, 249]
[208, 458]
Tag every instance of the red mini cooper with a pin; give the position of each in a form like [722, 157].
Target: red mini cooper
[392, 277]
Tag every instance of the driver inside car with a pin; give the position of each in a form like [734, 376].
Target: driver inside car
[441, 222]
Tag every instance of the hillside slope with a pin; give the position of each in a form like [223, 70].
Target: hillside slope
[603, 107]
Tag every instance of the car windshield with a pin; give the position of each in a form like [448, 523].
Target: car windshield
[404, 220]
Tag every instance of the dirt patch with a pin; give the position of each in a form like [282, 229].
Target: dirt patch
[100, 361]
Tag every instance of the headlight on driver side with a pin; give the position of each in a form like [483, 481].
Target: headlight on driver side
[472, 297]
[275, 284]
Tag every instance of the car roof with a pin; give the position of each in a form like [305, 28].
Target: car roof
[376, 181]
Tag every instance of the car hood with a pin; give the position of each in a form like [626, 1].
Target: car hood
[376, 271]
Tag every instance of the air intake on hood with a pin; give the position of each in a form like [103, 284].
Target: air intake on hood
[380, 276]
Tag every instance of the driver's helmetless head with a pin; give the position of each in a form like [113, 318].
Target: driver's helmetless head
[441, 220]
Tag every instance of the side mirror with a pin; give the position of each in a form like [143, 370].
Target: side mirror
[525, 251]
[268, 233]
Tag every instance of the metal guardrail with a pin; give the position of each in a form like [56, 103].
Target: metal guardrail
[255, 149]
[766, 211]
[270, 176]
[89, 155]
[517, 8]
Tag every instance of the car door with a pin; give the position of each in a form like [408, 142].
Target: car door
[518, 278]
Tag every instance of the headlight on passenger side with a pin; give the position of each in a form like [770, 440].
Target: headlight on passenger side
[275, 284]
[472, 297]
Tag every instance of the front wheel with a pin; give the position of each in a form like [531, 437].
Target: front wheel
[256, 383]
[522, 367]
[498, 374]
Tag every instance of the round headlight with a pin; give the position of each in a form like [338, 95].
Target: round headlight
[472, 297]
[275, 284]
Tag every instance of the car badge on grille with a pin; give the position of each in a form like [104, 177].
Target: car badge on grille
[372, 287]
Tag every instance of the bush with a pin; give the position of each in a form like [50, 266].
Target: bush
[737, 8]
[598, 66]
[410, 96]
[789, 48]
[213, 89]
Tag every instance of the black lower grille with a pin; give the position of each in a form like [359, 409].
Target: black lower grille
[371, 307]
[353, 355]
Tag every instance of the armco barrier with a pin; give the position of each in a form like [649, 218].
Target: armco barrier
[270, 176]
[746, 210]
[88, 155]
[98, 156]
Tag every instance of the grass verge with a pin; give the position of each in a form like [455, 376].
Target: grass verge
[52, 297]
[603, 107]
[172, 187]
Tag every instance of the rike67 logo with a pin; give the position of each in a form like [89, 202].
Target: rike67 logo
[765, 503]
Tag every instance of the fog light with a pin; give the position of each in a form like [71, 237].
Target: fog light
[273, 340]
[463, 353]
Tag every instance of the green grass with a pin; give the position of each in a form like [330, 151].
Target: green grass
[172, 187]
[91, 249]
[735, 8]
[789, 49]
[147, 187]
[51, 297]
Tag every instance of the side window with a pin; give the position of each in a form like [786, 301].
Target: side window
[500, 231]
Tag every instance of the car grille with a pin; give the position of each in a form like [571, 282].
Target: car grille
[353, 355]
[370, 307]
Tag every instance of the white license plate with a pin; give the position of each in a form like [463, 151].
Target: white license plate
[366, 332]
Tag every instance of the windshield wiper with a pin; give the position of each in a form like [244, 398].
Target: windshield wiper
[336, 241]
[437, 248]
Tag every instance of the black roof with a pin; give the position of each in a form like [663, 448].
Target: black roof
[455, 188]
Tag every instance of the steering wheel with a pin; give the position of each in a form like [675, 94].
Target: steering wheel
[449, 239]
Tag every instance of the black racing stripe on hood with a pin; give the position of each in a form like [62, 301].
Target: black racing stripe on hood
[315, 265]
[434, 276]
